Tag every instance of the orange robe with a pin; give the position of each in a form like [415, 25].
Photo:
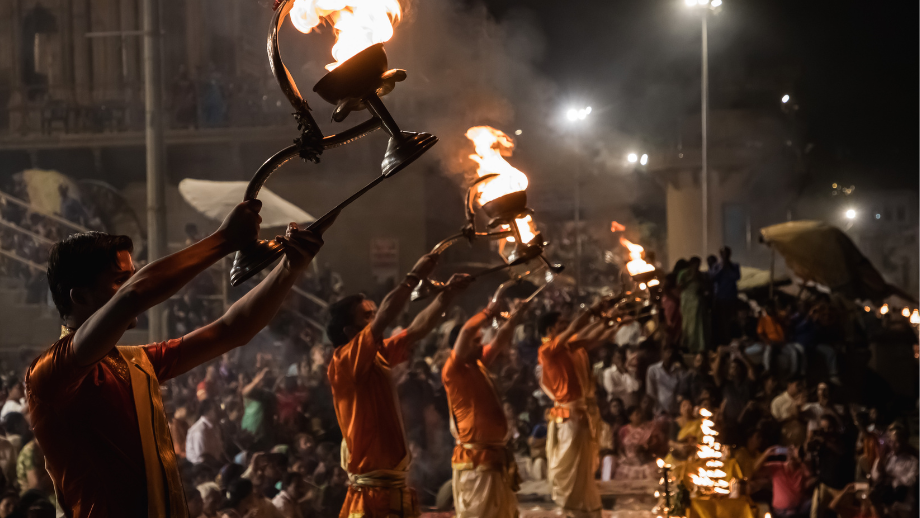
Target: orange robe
[374, 449]
[484, 473]
[571, 441]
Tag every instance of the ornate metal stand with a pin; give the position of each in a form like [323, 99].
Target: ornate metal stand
[503, 211]
[356, 84]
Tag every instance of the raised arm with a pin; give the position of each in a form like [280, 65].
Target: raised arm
[428, 318]
[247, 316]
[396, 300]
[161, 279]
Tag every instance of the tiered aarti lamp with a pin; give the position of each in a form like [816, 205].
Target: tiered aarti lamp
[500, 192]
[356, 83]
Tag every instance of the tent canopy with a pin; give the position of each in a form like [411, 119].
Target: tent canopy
[216, 199]
[816, 251]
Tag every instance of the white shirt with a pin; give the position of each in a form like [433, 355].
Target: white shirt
[619, 383]
[812, 413]
[203, 437]
[629, 334]
[288, 507]
[661, 384]
[783, 407]
[900, 468]
[11, 406]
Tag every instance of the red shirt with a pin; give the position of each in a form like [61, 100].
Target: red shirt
[788, 484]
[85, 422]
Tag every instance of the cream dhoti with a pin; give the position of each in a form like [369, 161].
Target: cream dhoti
[571, 456]
[486, 490]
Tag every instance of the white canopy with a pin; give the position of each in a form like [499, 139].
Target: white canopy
[215, 200]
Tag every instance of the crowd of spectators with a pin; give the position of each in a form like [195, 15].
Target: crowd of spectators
[257, 435]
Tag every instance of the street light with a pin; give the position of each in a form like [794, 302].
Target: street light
[850, 214]
[575, 115]
[705, 7]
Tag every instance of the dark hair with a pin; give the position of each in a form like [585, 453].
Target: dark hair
[78, 260]
[206, 406]
[795, 379]
[547, 321]
[290, 478]
[229, 474]
[237, 491]
[681, 264]
[341, 315]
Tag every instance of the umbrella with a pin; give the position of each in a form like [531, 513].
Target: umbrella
[216, 199]
[816, 251]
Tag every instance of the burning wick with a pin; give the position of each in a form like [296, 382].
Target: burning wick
[636, 264]
[492, 146]
[357, 24]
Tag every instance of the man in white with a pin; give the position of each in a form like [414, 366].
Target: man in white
[788, 404]
[293, 490]
[15, 402]
[661, 381]
[204, 436]
[618, 381]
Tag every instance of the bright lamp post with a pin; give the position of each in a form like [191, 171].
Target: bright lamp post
[705, 7]
[575, 116]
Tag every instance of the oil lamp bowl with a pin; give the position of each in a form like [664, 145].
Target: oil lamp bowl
[508, 206]
[356, 77]
[253, 259]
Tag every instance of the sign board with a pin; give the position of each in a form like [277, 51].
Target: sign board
[384, 258]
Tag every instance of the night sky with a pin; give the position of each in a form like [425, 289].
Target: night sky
[852, 67]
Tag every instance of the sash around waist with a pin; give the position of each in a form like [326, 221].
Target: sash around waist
[387, 478]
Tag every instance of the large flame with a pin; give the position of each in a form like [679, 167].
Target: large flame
[636, 264]
[357, 24]
[492, 146]
[710, 480]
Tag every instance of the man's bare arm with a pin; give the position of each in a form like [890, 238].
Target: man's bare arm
[161, 279]
[396, 300]
[247, 316]
[428, 318]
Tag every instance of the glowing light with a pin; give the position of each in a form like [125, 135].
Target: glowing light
[357, 24]
[868, 309]
[637, 264]
[518, 132]
[616, 227]
[785, 98]
[915, 318]
[492, 146]
[850, 214]
[690, 3]
[643, 160]
[905, 312]
[716, 3]
[884, 309]
[632, 158]
[643, 286]
[574, 114]
[660, 463]
[652, 283]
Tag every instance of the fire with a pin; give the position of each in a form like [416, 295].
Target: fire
[616, 227]
[710, 480]
[492, 146]
[636, 264]
[357, 24]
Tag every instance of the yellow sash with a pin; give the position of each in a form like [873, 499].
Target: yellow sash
[165, 494]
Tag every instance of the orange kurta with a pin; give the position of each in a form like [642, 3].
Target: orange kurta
[368, 414]
[563, 374]
[481, 426]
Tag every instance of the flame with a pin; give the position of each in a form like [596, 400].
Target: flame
[915, 317]
[884, 309]
[357, 24]
[616, 227]
[636, 264]
[492, 146]
[905, 312]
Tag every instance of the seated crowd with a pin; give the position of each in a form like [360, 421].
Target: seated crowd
[257, 433]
